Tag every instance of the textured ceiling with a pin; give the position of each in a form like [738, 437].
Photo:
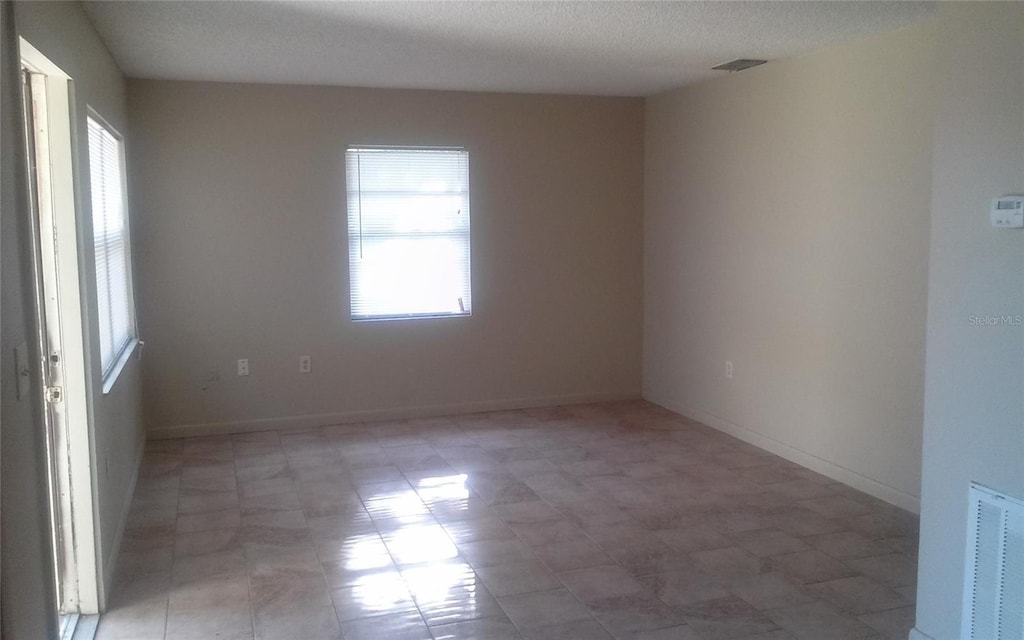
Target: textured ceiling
[601, 48]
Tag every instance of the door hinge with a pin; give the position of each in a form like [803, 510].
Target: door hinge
[54, 394]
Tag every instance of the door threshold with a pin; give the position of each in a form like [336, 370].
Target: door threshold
[84, 628]
[68, 622]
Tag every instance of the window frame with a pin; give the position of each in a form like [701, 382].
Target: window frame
[467, 235]
[110, 371]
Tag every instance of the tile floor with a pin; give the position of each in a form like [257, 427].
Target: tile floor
[586, 522]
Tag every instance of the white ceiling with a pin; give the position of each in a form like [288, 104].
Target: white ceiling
[600, 48]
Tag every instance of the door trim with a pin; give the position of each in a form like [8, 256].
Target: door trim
[79, 434]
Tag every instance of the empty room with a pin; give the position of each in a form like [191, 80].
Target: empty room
[329, 320]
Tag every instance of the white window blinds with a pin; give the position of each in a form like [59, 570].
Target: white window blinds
[408, 230]
[110, 241]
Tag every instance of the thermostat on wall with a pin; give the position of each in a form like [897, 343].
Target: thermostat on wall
[1008, 212]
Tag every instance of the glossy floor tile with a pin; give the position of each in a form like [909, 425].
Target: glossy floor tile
[604, 521]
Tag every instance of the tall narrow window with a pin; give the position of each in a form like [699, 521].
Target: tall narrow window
[408, 229]
[110, 240]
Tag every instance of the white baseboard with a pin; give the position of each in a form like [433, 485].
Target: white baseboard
[370, 415]
[839, 473]
[915, 634]
[122, 524]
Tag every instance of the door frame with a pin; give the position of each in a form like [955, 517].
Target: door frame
[75, 429]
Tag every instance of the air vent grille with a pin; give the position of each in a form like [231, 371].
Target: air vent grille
[994, 589]
[739, 65]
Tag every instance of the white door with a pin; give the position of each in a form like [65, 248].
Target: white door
[48, 112]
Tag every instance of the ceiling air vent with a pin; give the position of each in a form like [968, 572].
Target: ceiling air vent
[739, 65]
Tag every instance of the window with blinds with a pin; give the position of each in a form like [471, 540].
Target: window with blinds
[110, 241]
[408, 230]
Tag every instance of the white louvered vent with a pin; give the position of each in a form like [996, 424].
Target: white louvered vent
[994, 590]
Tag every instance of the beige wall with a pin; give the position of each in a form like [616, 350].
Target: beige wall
[786, 230]
[240, 242]
[974, 407]
[61, 31]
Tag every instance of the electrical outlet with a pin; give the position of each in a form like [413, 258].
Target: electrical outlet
[305, 364]
[243, 367]
[728, 369]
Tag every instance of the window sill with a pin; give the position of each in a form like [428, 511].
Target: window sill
[122, 360]
[417, 316]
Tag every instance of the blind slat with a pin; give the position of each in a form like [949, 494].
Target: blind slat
[409, 232]
[110, 243]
